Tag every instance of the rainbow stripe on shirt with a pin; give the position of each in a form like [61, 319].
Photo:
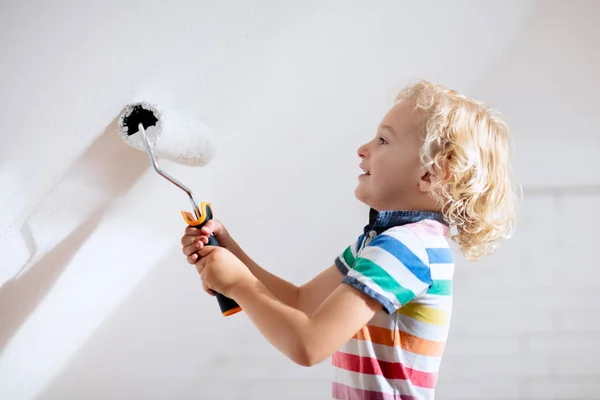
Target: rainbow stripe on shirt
[397, 355]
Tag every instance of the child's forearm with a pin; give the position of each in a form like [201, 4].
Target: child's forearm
[284, 327]
[283, 290]
[306, 340]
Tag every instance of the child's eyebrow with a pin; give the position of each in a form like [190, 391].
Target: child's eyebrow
[388, 128]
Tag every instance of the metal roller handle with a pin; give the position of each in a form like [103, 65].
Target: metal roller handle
[228, 306]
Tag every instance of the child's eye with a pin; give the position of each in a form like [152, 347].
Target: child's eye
[382, 141]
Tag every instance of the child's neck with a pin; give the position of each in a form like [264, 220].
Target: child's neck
[419, 203]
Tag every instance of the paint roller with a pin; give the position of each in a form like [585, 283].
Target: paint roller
[142, 125]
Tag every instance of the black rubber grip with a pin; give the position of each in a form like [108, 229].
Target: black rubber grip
[228, 306]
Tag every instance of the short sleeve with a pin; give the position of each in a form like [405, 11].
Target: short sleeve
[345, 261]
[393, 269]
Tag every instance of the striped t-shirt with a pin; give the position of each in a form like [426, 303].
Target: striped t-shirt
[397, 355]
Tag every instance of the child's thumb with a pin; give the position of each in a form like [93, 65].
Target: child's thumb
[209, 228]
[213, 226]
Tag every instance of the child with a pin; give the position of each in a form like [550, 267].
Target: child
[439, 162]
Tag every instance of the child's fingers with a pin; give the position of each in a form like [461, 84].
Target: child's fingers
[191, 240]
[186, 240]
[192, 248]
[189, 250]
[196, 245]
[192, 231]
[192, 259]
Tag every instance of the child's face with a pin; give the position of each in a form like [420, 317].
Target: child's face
[393, 178]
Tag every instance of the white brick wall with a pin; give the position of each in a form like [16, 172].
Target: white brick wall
[526, 322]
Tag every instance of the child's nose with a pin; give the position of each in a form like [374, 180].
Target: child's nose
[362, 151]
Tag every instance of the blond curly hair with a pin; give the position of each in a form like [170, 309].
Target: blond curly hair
[467, 150]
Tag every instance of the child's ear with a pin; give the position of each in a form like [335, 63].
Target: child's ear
[425, 181]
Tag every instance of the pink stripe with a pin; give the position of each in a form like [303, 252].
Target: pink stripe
[389, 370]
[344, 392]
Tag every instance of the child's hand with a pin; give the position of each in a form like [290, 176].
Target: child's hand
[222, 271]
[194, 239]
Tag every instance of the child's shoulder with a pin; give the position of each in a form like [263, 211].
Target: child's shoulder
[425, 229]
[420, 238]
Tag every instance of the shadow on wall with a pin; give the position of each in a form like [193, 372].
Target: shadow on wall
[109, 168]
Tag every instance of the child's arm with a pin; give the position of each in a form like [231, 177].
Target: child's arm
[387, 274]
[314, 292]
[283, 290]
[307, 340]
[305, 298]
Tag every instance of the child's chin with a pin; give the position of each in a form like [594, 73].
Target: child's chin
[360, 196]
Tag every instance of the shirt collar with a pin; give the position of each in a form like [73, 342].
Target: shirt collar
[380, 221]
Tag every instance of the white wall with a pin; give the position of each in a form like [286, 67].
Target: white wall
[105, 307]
